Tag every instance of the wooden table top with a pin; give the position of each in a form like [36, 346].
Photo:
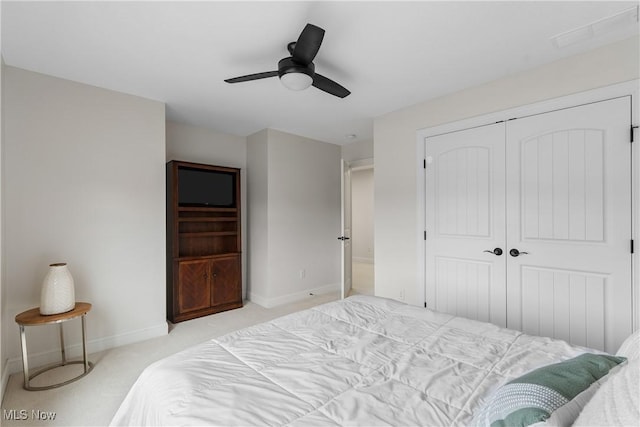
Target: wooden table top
[33, 317]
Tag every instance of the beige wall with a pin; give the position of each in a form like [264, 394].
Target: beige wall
[295, 217]
[198, 145]
[396, 210]
[3, 326]
[358, 150]
[83, 184]
[258, 214]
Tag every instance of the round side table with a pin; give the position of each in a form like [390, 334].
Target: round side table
[34, 318]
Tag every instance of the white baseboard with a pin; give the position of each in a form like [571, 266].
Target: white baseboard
[296, 296]
[74, 351]
[362, 260]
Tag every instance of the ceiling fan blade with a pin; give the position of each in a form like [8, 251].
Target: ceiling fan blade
[250, 77]
[308, 44]
[329, 86]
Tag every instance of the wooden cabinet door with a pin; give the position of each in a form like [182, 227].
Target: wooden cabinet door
[194, 289]
[226, 285]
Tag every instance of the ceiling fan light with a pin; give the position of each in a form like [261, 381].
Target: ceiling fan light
[296, 81]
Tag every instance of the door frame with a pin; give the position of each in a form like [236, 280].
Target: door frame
[629, 88]
[352, 165]
[346, 282]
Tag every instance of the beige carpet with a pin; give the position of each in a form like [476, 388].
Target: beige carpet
[94, 399]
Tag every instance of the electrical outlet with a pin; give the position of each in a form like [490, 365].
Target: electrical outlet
[303, 273]
[402, 295]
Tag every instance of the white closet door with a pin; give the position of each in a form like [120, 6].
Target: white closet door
[569, 206]
[465, 221]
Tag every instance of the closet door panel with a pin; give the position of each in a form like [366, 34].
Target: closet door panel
[568, 183]
[463, 288]
[563, 304]
[465, 221]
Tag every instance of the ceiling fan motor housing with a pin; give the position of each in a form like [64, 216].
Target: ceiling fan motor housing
[294, 75]
[288, 65]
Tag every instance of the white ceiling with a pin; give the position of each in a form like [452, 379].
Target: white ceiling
[389, 54]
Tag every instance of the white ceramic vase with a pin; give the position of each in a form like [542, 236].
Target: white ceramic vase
[58, 294]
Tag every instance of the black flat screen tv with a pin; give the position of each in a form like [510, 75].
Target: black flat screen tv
[206, 188]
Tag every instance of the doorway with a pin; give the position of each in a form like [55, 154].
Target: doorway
[362, 229]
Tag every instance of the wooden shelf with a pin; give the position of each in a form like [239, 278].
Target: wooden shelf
[192, 258]
[208, 233]
[208, 219]
[205, 209]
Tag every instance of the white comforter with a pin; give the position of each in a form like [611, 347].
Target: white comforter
[360, 361]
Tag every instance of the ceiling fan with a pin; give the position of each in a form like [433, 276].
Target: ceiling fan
[297, 71]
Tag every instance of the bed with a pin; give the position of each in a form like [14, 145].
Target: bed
[359, 361]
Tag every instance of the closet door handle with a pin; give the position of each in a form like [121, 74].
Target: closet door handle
[496, 251]
[514, 252]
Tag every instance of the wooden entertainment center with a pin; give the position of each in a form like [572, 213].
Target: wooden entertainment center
[204, 267]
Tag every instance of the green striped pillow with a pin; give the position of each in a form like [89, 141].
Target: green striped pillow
[534, 396]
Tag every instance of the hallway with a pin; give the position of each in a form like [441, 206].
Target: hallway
[363, 278]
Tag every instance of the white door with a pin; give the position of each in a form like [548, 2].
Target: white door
[465, 208]
[563, 224]
[569, 215]
[346, 228]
